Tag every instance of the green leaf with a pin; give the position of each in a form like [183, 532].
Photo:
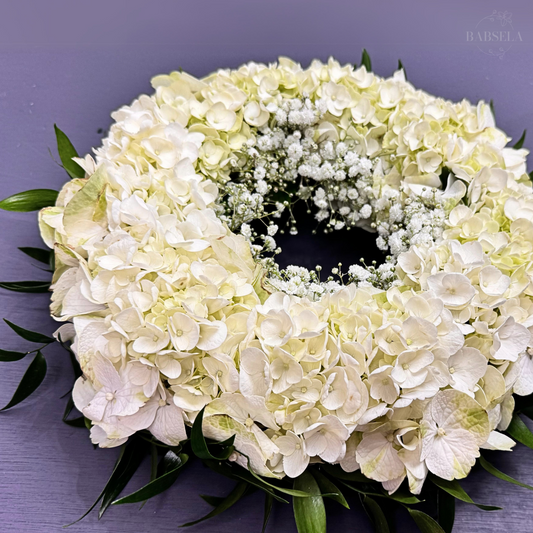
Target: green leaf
[30, 381]
[199, 444]
[33, 200]
[25, 286]
[520, 141]
[309, 513]
[365, 60]
[8, 357]
[446, 510]
[491, 105]
[329, 488]
[133, 455]
[401, 67]
[73, 361]
[28, 335]
[232, 498]
[290, 492]
[499, 474]
[519, 431]
[256, 481]
[269, 502]
[116, 468]
[161, 483]
[454, 488]
[425, 523]
[369, 490]
[338, 473]
[376, 514]
[39, 254]
[213, 501]
[66, 152]
[74, 422]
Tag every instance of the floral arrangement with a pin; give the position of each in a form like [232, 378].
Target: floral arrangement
[187, 338]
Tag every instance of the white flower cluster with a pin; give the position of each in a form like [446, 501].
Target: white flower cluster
[170, 313]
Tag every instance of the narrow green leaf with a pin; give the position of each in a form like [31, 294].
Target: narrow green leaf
[338, 473]
[401, 67]
[158, 485]
[527, 411]
[28, 335]
[31, 380]
[39, 254]
[365, 60]
[370, 490]
[491, 105]
[133, 455]
[73, 361]
[213, 501]
[26, 201]
[74, 422]
[375, 513]
[520, 141]
[425, 523]
[25, 286]
[153, 461]
[519, 431]
[8, 357]
[256, 481]
[499, 474]
[199, 444]
[329, 488]
[115, 471]
[309, 513]
[233, 497]
[290, 492]
[446, 510]
[66, 152]
[269, 502]
[454, 488]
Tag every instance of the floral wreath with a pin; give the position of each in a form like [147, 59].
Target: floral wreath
[187, 338]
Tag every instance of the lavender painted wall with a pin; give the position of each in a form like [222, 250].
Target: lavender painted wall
[73, 64]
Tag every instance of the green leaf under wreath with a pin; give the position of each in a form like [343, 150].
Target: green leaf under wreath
[66, 152]
[39, 254]
[454, 489]
[446, 510]
[231, 499]
[31, 380]
[171, 468]
[309, 513]
[26, 286]
[520, 432]
[499, 474]
[327, 487]
[199, 444]
[520, 141]
[32, 200]
[375, 513]
[425, 523]
[131, 455]
[365, 61]
[28, 335]
[7, 356]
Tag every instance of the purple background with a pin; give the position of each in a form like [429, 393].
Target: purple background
[65, 63]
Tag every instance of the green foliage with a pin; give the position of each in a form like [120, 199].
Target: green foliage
[31, 380]
[309, 513]
[66, 152]
[26, 201]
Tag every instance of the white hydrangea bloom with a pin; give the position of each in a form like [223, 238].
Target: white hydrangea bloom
[400, 369]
